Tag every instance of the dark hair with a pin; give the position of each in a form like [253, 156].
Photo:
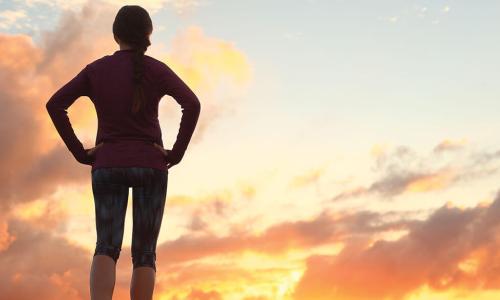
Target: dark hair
[132, 25]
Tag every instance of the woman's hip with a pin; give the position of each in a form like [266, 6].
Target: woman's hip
[129, 176]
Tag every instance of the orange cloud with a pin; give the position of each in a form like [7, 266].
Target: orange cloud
[428, 182]
[38, 265]
[452, 249]
[216, 70]
[447, 145]
[309, 177]
[23, 149]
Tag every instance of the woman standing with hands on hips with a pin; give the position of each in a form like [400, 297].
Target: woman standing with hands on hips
[126, 88]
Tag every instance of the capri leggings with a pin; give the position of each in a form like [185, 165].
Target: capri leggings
[110, 187]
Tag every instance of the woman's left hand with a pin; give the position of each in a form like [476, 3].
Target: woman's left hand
[91, 151]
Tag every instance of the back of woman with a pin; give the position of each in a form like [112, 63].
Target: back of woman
[126, 88]
[123, 133]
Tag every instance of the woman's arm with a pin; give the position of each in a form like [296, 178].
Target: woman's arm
[57, 108]
[174, 86]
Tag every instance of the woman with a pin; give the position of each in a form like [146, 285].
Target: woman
[126, 88]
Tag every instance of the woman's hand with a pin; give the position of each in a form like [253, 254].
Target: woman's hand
[91, 151]
[87, 157]
[165, 153]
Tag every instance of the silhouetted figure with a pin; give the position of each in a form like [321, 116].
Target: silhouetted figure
[126, 88]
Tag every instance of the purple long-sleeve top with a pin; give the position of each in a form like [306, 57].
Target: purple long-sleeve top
[127, 138]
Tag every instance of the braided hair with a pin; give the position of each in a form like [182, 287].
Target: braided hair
[133, 25]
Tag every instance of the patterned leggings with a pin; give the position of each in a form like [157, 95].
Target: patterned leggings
[110, 187]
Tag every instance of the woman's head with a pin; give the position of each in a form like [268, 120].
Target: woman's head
[133, 26]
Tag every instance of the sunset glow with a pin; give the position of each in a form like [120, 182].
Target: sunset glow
[346, 150]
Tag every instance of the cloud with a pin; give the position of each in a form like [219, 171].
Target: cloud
[327, 227]
[433, 13]
[216, 280]
[451, 248]
[312, 176]
[296, 35]
[405, 181]
[401, 170]
[216, 69]
[433, 253]
[9, 17]
[38, 265]
[24, 138]
[5, 237]
[197, 294]
[180, 7]
[185, 7]
[391, 19]
[450, 145]
[432, 249]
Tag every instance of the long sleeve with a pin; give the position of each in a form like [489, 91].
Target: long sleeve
[57, 108]
[174, 86]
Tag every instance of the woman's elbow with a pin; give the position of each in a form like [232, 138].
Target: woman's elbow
[197, 104]
[49, 106]
[194, 103]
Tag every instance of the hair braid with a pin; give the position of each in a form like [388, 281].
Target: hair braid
[133, 26]
[138, 76]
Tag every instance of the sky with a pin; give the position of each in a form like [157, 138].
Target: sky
[344, 150]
